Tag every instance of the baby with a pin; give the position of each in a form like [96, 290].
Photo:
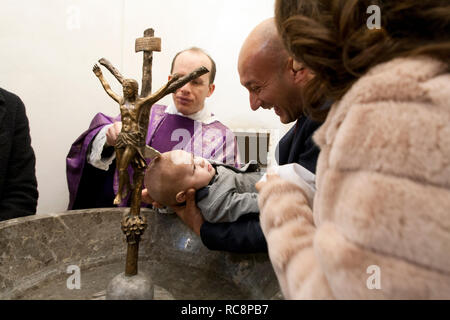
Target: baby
[223, 193]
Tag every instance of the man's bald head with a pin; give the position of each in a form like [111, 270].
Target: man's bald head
[263, 43]
[267, 71]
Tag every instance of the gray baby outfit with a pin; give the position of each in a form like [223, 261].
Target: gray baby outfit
[230, 194]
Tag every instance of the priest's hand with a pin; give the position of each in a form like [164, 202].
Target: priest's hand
[190, 214]
[112, 133]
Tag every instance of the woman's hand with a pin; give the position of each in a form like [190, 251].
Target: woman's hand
[270, 178]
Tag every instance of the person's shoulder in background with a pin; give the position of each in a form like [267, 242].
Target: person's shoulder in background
[18, 184]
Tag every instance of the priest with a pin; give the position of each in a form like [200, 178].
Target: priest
[186, 124]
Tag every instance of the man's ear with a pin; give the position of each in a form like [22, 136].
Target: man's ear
[300, 74]
[211, 88]
[180, 197]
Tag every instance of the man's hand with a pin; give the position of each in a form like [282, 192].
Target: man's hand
[97, 70]
[190, 214]
[145, 197]
[112, 133]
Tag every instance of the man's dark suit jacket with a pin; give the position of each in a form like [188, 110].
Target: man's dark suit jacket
[18, 185]
[245, 234]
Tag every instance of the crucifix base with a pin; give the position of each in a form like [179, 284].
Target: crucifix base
[137, 287]
[132, 285]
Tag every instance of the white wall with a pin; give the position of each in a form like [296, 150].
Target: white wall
[48, 48]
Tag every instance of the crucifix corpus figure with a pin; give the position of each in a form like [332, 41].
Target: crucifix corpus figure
[130, 145]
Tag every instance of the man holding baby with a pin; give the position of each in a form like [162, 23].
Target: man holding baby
[267, 72]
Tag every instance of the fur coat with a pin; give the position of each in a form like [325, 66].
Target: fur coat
[380, 223]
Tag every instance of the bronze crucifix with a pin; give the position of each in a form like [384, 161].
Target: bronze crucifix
[130, 145]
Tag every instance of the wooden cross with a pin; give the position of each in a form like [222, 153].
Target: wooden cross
[148, 44]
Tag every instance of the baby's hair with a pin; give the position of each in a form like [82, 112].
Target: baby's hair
[160, 183]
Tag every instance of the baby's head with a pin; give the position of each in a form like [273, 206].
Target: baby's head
[169, 176]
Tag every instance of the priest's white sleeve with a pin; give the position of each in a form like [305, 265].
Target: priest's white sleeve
[94, 157]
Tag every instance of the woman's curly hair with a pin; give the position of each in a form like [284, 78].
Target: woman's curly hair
[331, 37]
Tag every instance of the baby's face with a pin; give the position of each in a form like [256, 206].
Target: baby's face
[194, 172]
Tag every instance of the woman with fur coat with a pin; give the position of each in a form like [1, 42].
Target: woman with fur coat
[379, 227]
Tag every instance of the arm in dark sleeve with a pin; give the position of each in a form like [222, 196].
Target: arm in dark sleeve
[20, 192]
[242, 236]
